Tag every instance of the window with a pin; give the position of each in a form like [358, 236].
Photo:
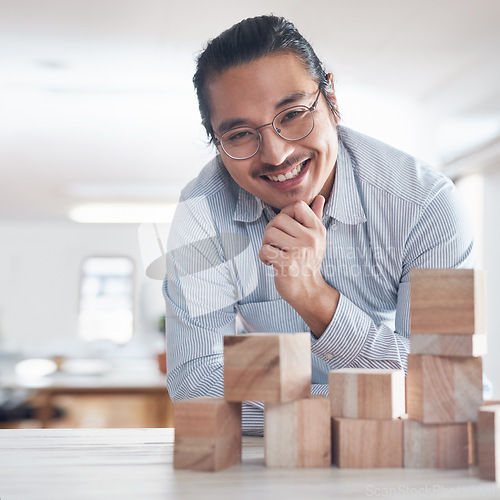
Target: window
[106, 299]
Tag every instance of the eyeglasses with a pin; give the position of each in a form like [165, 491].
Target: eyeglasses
[291, 124]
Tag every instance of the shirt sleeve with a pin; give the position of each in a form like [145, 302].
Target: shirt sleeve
[199, 304]
[201, 290]
[442, 237]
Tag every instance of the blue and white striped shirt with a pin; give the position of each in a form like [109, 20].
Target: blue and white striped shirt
[387, 213]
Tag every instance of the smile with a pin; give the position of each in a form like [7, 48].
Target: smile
[289, 175]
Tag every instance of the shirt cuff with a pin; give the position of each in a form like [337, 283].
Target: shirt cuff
[344, 337]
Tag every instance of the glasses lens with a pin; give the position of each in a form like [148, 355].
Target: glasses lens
[240, 142]
[294, 123]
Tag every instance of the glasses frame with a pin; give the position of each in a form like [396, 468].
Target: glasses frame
[218, 142]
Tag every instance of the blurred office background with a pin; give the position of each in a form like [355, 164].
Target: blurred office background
[99, 128]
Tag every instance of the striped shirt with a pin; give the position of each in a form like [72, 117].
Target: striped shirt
[387, 213]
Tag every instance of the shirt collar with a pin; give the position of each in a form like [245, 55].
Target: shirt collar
[344, 204]
[248, 207]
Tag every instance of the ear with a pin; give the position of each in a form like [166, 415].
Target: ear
[329, 79]
[332, 98]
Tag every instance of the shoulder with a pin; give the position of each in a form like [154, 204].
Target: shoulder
[212, 182]
[206, 205]
[378, 165]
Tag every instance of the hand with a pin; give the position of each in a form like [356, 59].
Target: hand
[294, 243]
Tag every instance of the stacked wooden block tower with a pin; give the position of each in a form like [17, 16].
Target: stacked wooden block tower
[364, 422]
[274, 369]
[366, 406]
[444, 379]
[446, 426]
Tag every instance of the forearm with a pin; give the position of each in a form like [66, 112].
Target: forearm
[352, 339]
[318, 307]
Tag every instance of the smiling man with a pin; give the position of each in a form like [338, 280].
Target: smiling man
[298, 223]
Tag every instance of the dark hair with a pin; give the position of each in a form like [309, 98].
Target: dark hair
[247, 41]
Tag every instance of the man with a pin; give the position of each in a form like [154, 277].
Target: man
[298, 224]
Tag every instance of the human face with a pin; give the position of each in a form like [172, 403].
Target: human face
[252, 94]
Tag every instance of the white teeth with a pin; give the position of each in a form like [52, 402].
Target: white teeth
[289, 175]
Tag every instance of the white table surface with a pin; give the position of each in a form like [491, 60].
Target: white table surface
[88, 464]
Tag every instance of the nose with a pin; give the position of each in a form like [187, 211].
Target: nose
[274, 150]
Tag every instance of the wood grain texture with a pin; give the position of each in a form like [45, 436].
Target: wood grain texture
[366, 443]
[267, 367]
[488, 442]
[472, 433]
[443, 389]
[207, 434]
[367, 393]
[449, 345]
[98, 464]
[447, 301]
[439, 446]
[297, 433]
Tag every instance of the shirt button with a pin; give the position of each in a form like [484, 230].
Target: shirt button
[328, 356]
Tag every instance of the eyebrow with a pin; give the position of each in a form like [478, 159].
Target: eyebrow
[292, 98]
[287, 100]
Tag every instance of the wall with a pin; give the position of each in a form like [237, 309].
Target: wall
[480, 192]
[491, 263]
[39, 283]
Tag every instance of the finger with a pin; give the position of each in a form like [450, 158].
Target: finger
[269, 254]
[277, 238]
[287, 224]
[318, 205]
[302, 213]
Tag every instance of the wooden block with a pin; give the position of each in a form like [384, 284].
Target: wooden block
[488, 442]
[449, 345]
[365, 443]
[447, 301]
[367, 393]
[297, 433]
[443, 390]
[274, 368]
[207, 434]
[472, 442]
[436, 446]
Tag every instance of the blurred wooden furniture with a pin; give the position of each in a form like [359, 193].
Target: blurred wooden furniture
[105, 407]
[130, 395]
